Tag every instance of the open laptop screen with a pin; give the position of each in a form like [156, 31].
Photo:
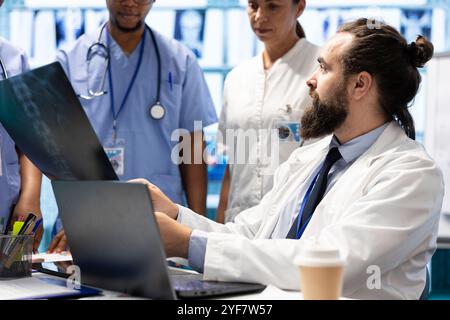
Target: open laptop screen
[113, 237]
[42, 114]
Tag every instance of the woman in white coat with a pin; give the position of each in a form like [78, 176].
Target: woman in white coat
[263, 96]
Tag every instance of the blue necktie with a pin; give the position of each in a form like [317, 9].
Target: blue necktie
[314, 194]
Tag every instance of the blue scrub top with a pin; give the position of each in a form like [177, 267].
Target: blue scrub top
[15, 63]
[147, 142]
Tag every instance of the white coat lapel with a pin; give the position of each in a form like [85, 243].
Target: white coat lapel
[346, 190]
[297, 171]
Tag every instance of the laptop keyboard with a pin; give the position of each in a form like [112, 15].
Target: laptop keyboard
[188, 286]
[199, 285]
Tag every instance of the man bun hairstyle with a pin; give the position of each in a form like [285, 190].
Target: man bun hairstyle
[420, 52]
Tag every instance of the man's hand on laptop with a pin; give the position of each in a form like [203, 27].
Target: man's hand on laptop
[161, 202]
[174, 236]
[59, 243]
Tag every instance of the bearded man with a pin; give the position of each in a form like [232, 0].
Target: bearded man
[367, 187]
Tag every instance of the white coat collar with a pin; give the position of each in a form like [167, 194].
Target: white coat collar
[308, 152]
[338, 197]
[391, 137]
[294, 53]
[306, 158]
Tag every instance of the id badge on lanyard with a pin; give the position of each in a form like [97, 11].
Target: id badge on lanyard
[288, 131]
[115, 150]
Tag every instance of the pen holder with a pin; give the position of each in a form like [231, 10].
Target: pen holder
[15, 256]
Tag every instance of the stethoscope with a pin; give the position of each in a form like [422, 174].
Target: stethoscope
[2, 66]
[157, 111]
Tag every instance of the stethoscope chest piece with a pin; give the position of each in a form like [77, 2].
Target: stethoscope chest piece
[157, 111]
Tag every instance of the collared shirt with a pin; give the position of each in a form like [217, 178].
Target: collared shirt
[148, 143]
[15, 62]
[350, 151]
[257, 102]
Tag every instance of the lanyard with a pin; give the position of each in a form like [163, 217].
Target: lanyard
[301, 229]
[130, 86]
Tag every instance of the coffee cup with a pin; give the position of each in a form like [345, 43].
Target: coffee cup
[321, 272]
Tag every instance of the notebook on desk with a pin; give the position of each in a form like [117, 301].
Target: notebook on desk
[114, 239]
[41, 287]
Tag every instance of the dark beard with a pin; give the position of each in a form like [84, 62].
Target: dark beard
[128, 30]
[322, 118]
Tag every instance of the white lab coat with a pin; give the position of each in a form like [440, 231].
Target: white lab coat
[260, 101]
[384, 212]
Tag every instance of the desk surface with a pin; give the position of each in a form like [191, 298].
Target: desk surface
[270, 293]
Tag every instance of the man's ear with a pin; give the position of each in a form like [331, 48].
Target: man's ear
[300, 7]
[362, 84]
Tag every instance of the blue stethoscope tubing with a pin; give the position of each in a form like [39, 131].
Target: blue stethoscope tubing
[157, 111]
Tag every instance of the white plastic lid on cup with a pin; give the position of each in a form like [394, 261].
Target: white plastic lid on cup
[318, 255]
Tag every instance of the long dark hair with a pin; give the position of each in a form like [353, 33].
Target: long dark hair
[381, 50]
[299, 29]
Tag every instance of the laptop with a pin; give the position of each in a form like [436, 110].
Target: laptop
[114, 240]
[42, 114]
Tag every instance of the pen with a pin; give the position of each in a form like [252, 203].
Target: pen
[2, 223]
[28, 225]
[170, 81]
[36, 226]
[31, 218]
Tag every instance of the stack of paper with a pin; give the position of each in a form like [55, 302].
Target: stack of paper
[52, 257]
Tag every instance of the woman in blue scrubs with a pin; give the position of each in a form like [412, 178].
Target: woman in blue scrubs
[20, 180]
[120, 97]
